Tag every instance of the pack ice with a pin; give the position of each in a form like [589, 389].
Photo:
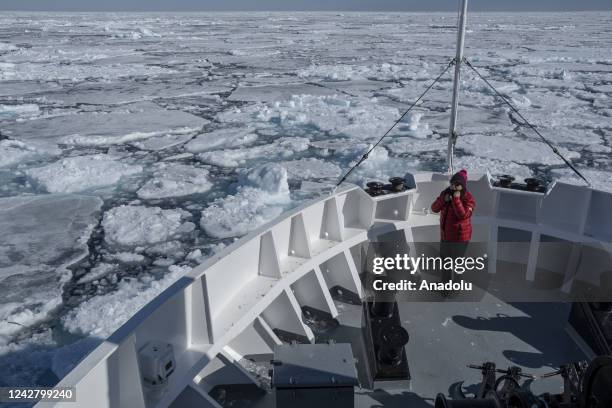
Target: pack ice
[81, 173]
[262, 196]
[135, 225]
[123, 124]
[41, 237]
[175, 180]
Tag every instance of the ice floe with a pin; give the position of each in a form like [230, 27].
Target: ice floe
[178, 157]
[338, 115]
[598, 148]
[14, 152]
[511, 148]
[163, 141]
[599, 179]
[271, 178]
[7, 47]
[271, 93]
[175, 180]
[221, 139]
[400, 145]
[494, 167]
[380, 166]
[128, 124]
[24, 111]
[263, 195]
[97, 272]
[581, 116]
[120, 93]
[280, 148]
[311, 168]
[384, 71]
[81, 173]
[135, 225]
[414, 127]
[102, 315]
[580, 136]
[30, 71]
[126, 257]
[41, 237]
[168, 250]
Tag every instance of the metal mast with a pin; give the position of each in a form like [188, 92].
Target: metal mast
[458, 60]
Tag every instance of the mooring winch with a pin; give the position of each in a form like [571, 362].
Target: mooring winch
[585, 385]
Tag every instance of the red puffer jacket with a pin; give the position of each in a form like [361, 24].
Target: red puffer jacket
[455, 216]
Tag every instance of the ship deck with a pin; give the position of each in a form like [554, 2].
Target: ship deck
[444, 338]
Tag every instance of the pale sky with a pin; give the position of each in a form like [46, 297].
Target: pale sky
[309, 5]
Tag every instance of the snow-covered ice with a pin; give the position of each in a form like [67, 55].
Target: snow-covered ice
[221, 138]
[14, 152]
[384, 71]
[133, 225]
[511, 148]
[599, 179]
[41, 236]
[125, 124]
[381, 166]
[281, 148]
[270, 178]
[30, 71]
[411, 145]
[175, 180]
[24, 111]
[263, 196]
[338, 114]
[127, 257]
[98, 272]
[311, 168]
[496, 167]
[80, 173]
[102, 315]
[162, 141]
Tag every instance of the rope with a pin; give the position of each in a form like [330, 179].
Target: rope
[515, 110]
[366, 155]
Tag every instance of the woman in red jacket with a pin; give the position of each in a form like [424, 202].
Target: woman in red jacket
[455, 205]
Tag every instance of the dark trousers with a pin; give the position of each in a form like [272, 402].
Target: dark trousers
[450, 249]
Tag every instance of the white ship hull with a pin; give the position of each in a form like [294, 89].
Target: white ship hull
[234, 304]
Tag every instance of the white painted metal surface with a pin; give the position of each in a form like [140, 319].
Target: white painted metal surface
[456, 84]
[230, 306]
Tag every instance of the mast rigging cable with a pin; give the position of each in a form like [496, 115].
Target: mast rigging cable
[499, 94]
[515, 110]
[365, 156]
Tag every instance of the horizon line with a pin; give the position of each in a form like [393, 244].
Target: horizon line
[299, 11]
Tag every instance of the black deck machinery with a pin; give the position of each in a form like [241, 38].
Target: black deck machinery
[585, 385]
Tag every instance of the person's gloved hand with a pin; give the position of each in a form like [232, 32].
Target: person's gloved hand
[457, 190]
